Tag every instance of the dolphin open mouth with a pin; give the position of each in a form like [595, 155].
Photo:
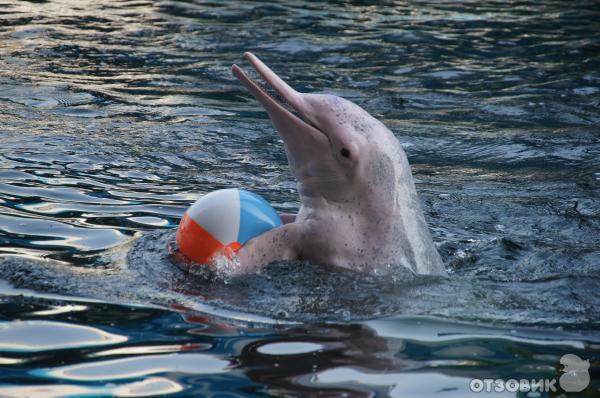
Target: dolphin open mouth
[276, 110]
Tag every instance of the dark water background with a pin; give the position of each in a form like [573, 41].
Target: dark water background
[116, 115]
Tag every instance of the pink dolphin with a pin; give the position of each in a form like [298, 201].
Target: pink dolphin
[359, 206]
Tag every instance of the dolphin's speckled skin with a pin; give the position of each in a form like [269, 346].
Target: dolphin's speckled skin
[359, 203]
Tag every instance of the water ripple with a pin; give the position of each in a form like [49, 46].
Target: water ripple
[24, 336]
[115, 116]
[136, 367]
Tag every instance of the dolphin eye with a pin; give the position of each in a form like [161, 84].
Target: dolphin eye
[345, 152]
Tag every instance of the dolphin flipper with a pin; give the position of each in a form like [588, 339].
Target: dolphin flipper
[278, 244]
[287, 218]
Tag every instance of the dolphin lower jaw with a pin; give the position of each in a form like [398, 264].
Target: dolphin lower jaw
[301, 138]
[299, 114]
[292, 97]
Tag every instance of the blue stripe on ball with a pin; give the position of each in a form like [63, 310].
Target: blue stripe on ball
[256, 216]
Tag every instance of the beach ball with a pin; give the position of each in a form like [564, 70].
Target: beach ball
[221, 222]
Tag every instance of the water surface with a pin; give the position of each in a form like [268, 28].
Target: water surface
[115, 116]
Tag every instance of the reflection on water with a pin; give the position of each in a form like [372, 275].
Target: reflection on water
[164, 351]
[115, 116]
[128, 368]
[151, 386]
[25, 336]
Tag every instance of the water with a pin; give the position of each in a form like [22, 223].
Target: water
[115, 116]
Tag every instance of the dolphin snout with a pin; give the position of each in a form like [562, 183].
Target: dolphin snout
[291, 127]
[291, 96]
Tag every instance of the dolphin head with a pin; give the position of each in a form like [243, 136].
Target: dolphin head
[330, 142]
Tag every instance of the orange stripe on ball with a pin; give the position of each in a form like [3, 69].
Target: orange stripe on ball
[235, 246]
[195, 242]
